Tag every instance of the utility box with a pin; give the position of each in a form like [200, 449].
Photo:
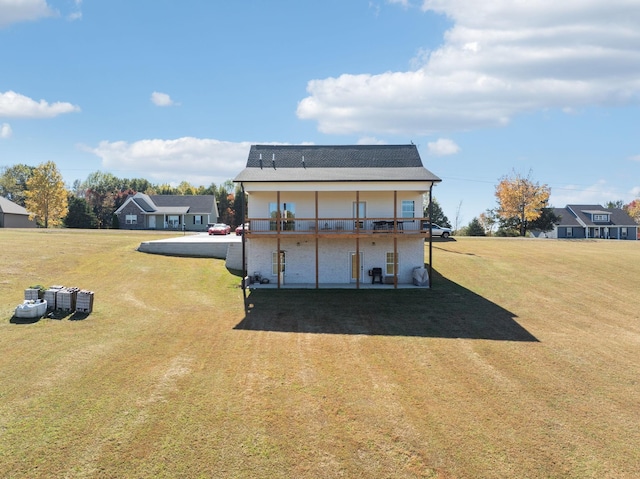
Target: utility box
[84, 301]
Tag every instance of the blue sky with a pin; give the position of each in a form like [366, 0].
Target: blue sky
[178, 90]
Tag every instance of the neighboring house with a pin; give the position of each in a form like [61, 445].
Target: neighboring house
[13, 215]
[322, 215]
[167, 212]
[593, 221]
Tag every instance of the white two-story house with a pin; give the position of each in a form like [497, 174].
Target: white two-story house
[334, 215]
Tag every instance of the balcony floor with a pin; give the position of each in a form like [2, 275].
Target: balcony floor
[363, 285]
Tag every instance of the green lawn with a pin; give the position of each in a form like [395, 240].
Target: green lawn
[522, 361]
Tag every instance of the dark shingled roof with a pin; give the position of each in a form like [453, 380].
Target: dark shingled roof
[9, 207]
[145, 203]
[335, 163]
[567, 218]
[193, 203]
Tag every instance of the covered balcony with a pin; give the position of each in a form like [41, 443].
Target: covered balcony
[337, 227]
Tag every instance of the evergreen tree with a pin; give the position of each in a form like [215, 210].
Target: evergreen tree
[546, 221]
[439, 217]
[615, 205]
[80, 214]
[475, 228]
[237, 206]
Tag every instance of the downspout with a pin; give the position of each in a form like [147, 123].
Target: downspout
[395, 239]
[431, 236]
[244, 234]
[278, 226]
[358, 265]
[315, 229]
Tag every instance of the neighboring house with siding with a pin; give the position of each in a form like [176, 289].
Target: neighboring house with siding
[13, 215]
[593, 221]
[322, 215]
[167, 212]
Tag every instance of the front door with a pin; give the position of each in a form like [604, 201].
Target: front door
[152, 222]
[357, 267]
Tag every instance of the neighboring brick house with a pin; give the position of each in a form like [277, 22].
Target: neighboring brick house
[322, 215]
[167, 212]
[593, 221]
[13, 215]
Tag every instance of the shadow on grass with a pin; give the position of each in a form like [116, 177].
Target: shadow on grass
[16, 320]
[57, 315]
[446, 311]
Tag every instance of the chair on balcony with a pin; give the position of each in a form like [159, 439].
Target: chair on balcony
[376, 274]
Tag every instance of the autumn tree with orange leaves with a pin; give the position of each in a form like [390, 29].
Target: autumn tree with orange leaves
[633, 210]
[521, 200]
[46, 196]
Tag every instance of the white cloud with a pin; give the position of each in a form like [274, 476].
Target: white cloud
[15, 105]
[371, 140]
[5, 130]
[597, 194]
[14, 11]
[201, 161]
[500, 59]
[442, 147]
[404, 3]
[162, 99]
[77, 14]
[635, 158]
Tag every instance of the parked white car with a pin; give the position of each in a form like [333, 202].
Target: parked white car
[437, 230]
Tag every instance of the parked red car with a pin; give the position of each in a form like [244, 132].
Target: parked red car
[241, 229]
[219, 229]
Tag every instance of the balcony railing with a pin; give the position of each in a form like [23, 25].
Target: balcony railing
[337, 226]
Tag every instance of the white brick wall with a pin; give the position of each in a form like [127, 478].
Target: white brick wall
[334, 258]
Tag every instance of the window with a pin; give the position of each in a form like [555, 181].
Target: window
[288, 212]
[274, 262]
[391, 263]
[132, 219]
[569, 232]
[408, 209]
[623, 232]
[173, 221]
[359, 209]
[600, 217]
[198, 220]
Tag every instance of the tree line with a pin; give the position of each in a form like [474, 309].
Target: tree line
[522, 203]
[91, 203]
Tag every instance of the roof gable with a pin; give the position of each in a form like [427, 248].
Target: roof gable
[582, 215]
[9, 207]
[193, 203]
[144, 202]
[173, 204]
[342, 156]
[270, 163]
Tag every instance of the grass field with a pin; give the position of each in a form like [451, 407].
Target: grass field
[522, 361]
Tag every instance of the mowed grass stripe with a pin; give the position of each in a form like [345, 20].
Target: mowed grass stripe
[521, 361]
